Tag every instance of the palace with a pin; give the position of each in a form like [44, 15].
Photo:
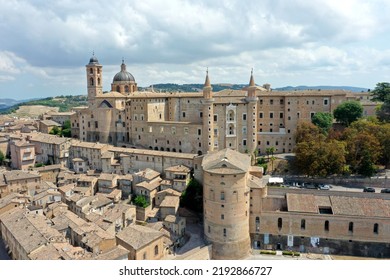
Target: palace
[247, 120]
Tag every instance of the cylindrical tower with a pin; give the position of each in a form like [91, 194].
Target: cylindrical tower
[208, 116]
[226, 203]
[94, 79]
[252, 112]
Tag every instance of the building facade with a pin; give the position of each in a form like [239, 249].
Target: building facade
[252, 119]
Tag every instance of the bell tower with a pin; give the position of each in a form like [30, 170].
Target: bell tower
[94, 79]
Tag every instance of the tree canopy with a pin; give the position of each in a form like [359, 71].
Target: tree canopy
[382, 93]
[323, 121]
[348, 112]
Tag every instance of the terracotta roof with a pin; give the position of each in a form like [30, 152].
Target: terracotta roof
[148, 174]
[170, 201]
[138, 236]
[305, 203]
[50, 123]
[19, 175]
[47, 138]
[178, 168]
[226, 161]
[149, 185]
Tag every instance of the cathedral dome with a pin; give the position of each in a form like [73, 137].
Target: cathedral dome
[123, 75]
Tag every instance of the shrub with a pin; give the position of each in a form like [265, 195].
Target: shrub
[291, 253]
[267, 252]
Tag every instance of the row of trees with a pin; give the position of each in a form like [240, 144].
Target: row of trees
[358, 148]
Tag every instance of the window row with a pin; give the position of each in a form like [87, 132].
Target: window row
[326, 225]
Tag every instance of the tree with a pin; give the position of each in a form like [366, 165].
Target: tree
[363, 150]
[320, 158]
[348, 112]
[323, 121]
[307, 131]
[141, 201]
[192, 197]
[381, 92]
[55, 131]
[2, 157]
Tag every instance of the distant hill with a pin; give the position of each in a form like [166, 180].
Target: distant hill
[190, 87]
[348, 88]
[222, 86]
[8, 102]
[64, 103]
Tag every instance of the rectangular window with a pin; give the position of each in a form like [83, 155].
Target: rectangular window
[222, 195]
[244, 117]
[201, 114]
[184, 114]
[261, 101]
[244, 142]
[222, 216]
[281, 101]
[215, 118]
[261, 115]
[271, 101]
[376, 228]
[271, 115]
[224, 232]
[281, 115]
[303, 224]
[96, 124]
[199, 131]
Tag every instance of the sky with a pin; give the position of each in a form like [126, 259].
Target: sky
[45, 45]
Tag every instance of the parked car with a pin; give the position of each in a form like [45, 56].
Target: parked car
[368, 189]
[385, 191]
[324, 187]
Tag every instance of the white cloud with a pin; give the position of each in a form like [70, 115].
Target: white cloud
[174, 41]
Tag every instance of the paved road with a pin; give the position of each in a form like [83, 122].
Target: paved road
[3, 252]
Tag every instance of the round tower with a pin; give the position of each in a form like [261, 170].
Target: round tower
[226, 203]
[208, 116]
[94, 79]
[252, 113]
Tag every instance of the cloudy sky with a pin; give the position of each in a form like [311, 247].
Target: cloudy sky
[45, 45]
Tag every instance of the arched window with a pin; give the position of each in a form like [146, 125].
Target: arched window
[156, 250]
[118, 88]
[280, 223]
[126, 88]
[98, 71]
[98, 81]
[90, 70]
[222, 195]
[91, 81]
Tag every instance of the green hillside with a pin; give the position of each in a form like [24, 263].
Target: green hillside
[63, 102]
